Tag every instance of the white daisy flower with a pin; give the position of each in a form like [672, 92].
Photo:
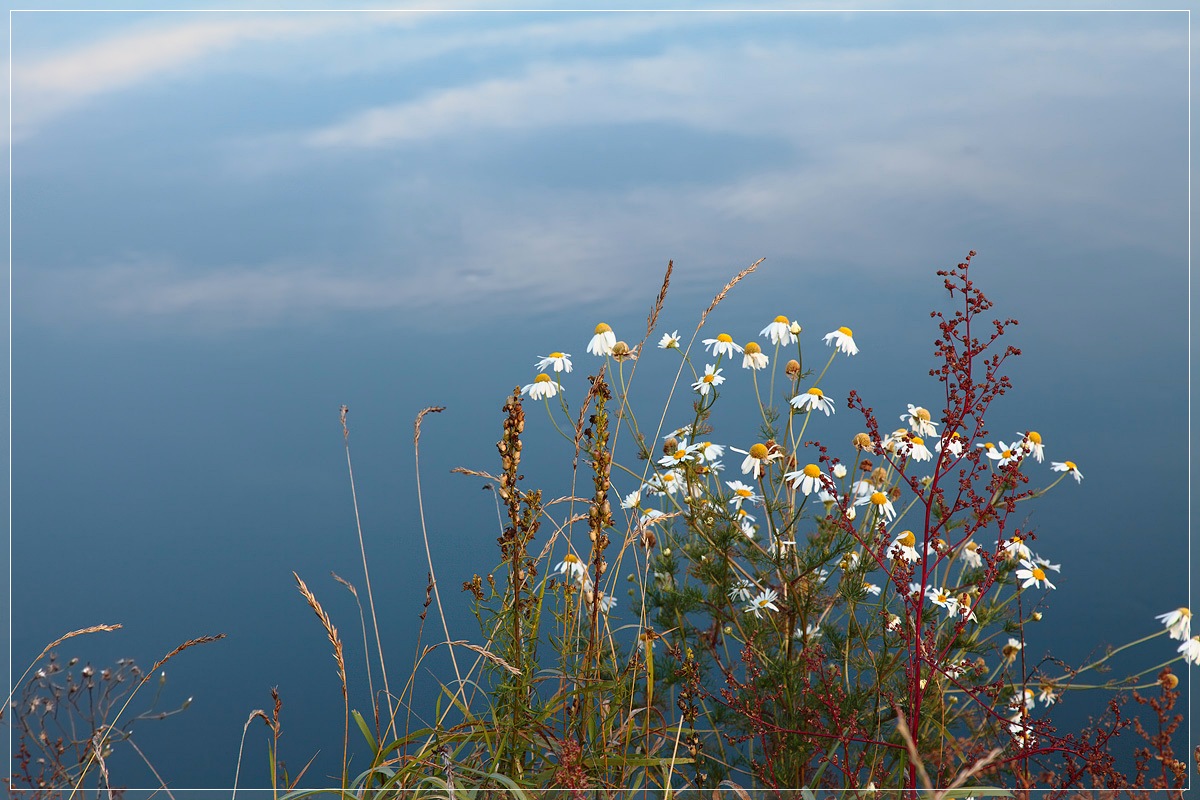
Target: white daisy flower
[711, 378]
[571, 566]
[710, 452]
[881, 503]
[1067, 466]
[1032, 575]
[1190, 650]
[764, 601]
[780, 331]
[861, 488]
[1005, 453]
[607, 603]
[1032, 443]
[666, 483]
[776, 547]
[1011, 648]
[604, 340]
[807, 480]
[914, 589]
[970, 554]
[810, 631]
[1178, 622]
[757, 458]
[919, 451]
[920, 421]
[814, 398]
[1047, 694]
[1016, 548]
[683, 453]
[843, 339]
[943, 599]
[742, 590]
[954, 445]
[650, 515]
[669, 341]
[1028, 702]
[753, 357]
[905, 545]
[872, 589]
[723, 345]
[632, 500]
[542, 386]
[745, 521]
[1044, 563]
[894, 623]
[741, 492]
[561, 362]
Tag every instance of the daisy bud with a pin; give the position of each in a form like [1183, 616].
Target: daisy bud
[792, 368]
[1036, 616]
[862, 441]
[795, 328]
[729, 629]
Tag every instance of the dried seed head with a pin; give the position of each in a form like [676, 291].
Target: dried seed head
[792, 368]
[862, 441]
[879, 476]
[1168, 679]
[670, 446]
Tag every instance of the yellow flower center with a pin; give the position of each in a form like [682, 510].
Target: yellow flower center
[878, 498]
[741, 511]
[571, 558]
[743, 493]
[709, 378]
[680, 455]
[1035, 437]
[783, 320]
[752, 348]
[668, 477]
[555, 354]
[603, 328]
[1038, 574]
[724, 338]
[918, 441]
[815, 392]
[907, 539]
[705, 445]
[812, 471]
[922, 414]
[1070, 465]
[845, 331]
[758, 451]
[542, 378]
[972, 546]
[989, 446]
[1007, 454]
[954, 435]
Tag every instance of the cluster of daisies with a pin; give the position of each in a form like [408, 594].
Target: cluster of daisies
[686, 463]
[780, 332]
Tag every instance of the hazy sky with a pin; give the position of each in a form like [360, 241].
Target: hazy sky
[225, 225]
